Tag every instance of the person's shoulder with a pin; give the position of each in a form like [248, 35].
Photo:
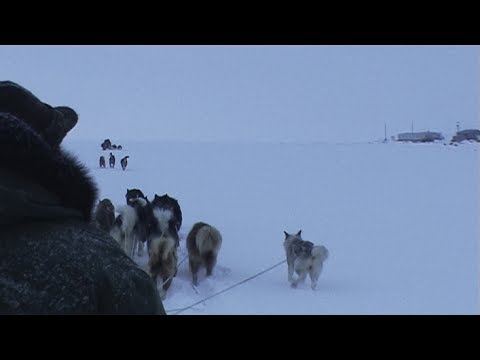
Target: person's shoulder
[129, 285]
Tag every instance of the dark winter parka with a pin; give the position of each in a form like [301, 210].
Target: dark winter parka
[52, 261]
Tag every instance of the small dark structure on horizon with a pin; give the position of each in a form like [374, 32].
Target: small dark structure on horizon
[107, 145]
[468, 134]
[425, 136]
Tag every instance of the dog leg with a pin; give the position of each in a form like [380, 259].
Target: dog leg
[290, 273]
[125, 242]
[194, 267]
[162, 293]
[130, 245]
[302, 277]
[140, 249]
[149, 250]
[167, 283]
[299, 279]
[121, 241]
[210, 263]
[314, 275]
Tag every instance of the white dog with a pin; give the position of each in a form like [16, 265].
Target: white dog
[122, 229]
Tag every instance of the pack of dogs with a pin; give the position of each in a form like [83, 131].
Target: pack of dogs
[107, 145]
[156, 224]
[111, 161]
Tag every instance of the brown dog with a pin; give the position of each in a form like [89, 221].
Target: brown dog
[203, 243]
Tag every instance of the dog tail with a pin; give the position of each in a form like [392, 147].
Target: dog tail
[163, 216]
[161, 247]
[128, 217]
[320, 253]
[139, 200]
[208, 240]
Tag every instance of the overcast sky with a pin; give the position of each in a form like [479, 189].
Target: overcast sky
[252, 93]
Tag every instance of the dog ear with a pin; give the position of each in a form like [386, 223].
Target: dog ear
[299, 233]
[286, 234]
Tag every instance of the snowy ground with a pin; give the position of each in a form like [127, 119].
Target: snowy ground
[401, 221]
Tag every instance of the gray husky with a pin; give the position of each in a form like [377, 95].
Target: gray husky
[303, 257]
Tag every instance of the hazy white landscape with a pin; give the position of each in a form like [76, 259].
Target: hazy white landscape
[401, 221]
[261, 139]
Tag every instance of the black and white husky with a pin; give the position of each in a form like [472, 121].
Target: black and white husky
[303, 257]
[145, 222]
[131, 226]
[169, 203]
[167, 217]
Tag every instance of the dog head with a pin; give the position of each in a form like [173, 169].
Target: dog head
[106, 205]
[165, 202]
[298, 235]
[133, 194]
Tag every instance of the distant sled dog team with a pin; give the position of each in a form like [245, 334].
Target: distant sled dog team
[107, 145]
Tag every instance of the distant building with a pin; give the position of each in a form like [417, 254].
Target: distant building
[469, 134]
[426, 136]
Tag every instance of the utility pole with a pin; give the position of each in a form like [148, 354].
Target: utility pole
[385, 139]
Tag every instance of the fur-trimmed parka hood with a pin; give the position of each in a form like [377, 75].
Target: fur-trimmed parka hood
[39, 181]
